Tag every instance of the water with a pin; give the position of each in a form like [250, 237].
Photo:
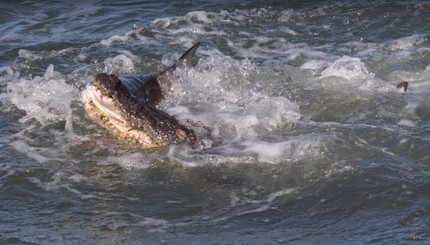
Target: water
[311, 142]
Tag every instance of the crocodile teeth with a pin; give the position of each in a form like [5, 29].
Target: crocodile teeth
[104, 103]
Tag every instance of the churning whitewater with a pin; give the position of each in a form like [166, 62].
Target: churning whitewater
[313, 119]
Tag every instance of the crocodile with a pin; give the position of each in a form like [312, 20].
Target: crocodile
[126, 106]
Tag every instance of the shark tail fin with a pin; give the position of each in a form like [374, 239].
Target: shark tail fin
[184, 61]
[168, 76]
[187, 57]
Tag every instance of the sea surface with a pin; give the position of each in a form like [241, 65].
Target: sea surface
[309, 141]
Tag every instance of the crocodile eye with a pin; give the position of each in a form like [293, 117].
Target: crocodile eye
[114, 79]
[181, 134]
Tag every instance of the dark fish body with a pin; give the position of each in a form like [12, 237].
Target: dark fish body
[144, 86]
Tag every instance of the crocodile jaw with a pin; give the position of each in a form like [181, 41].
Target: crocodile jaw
[101, 110]
[104, 103]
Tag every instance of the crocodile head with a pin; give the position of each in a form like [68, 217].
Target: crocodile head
[111, 105]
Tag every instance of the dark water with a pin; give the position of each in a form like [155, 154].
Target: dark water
[311, 141]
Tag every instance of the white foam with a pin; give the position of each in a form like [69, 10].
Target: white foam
[267, 152]
[197, 22]
[135, 160]
[227, 103]
[7, 74]
[76, 178]
[316, 65]
[349, 68]
[29, 55]
[119, 64]
[32, 152]
[190, 18]
[406, 123]
[46, 99]
[197, 29]
[202, 16]
[262, 204]
[292, 149]
[160, 224]
[406, 43]
[59, 182]
[147, 221]
[117, 38]
[252, 149]
[271, 112]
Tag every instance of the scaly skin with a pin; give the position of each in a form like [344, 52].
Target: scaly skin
[127, 108]
[118, 128]
[159, 127]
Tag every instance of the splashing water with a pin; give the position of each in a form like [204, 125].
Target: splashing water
[309, 140]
